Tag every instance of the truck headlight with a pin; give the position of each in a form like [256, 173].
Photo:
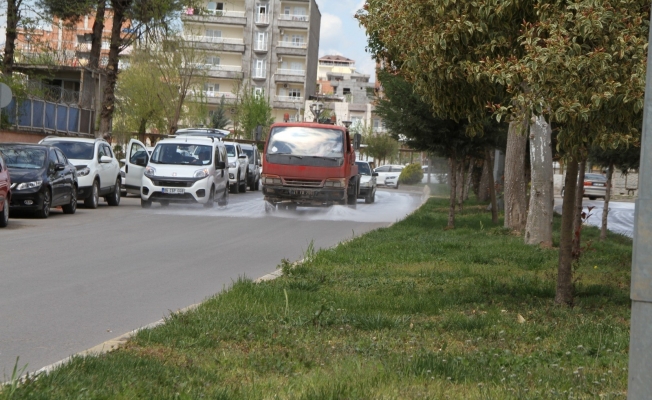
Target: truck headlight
[150, 172]
[335, 182]
[29, 185]
[202, 173]
[272, 180]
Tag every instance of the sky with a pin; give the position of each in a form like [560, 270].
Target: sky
[340, 33]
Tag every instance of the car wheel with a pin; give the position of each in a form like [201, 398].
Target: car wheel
[211, 198]
[243, 185]
[145, 203]
[4, 217]
[71, 207]
[94, 199]
[225, 198]
[396, 187]
[373, 197]
[44, 211]
[368, 199]
[114, 198]
[257, 185]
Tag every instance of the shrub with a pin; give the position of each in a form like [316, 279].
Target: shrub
[411, 174]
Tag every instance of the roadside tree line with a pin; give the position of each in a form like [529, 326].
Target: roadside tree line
[562, 75]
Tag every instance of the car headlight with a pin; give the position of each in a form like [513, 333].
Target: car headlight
[232, 164]
[83, 172]
[365, 184]
[202, 173]
[391, 177]
[272, 180]
[150, 172]
[337, 182]
[29, 185]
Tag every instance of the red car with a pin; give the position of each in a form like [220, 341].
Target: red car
[5, 193]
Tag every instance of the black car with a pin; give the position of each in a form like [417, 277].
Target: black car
[41, 178]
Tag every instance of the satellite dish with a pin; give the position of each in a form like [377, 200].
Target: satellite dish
[5, 95]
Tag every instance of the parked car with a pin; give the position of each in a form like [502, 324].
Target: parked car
[388, 175]
[367, 182]
[238, 166]
[123, 188]
[5, 193]
[180, 170]
[595, 185]
[98, 171]
[253, 176]
[41, 178]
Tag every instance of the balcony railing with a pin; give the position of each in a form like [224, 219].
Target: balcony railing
[211, 94]
[262, 18]
[213, 39]
[293, 17]
[218, 67]
[289, 98]
[260, 46]
[296, 72]
[259, 74]
[296, 45]
[216, 13]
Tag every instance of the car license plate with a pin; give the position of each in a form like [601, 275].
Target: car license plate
[598, 184]
[173, 190]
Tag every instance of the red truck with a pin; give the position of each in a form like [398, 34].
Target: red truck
[309, 164]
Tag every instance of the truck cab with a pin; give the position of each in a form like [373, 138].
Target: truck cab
[309, 164]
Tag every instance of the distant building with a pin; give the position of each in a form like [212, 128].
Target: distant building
[270, 45]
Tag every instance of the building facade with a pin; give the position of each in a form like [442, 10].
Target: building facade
[269, 45]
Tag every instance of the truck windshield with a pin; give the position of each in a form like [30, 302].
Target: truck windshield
[304, 141]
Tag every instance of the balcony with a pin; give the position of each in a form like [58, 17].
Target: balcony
[287, 102]
[221, 71]
[260, 47]
[290, 76]
[214, 16]
[262, 19]
[292, 48]
[217, 43]
[293, 21]
[213, 97]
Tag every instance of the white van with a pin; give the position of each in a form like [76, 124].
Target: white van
[188, 169]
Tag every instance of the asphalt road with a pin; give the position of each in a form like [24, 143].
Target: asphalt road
[619, 220]
[71, 282]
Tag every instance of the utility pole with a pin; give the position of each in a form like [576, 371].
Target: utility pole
[640, 341]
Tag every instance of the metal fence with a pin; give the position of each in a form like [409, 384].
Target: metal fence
[45, 116]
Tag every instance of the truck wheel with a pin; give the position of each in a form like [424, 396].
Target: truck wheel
[352, 195]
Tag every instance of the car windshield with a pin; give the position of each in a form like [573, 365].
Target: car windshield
[75, 150]
[250, 154]
[230, 150]
[595, 177]
[304, 141]
[181, 154]
[23, 157]
[363, 168]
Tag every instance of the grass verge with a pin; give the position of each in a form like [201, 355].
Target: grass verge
[409, 311]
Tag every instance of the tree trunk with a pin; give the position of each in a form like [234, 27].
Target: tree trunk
[538, 229]
[429, 170]
[577, 218]
[13, 17]
[108, 102]
[467, 181]
[142, 128]
[453, 185]
[483, 191]
[515, 197]
[607, 197]
[93, 60]
[564, 294]
[459, 192]
[492, 186]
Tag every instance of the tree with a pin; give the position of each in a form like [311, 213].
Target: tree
[14, 10]
[514, 189]
[253, 109]
[219, 119]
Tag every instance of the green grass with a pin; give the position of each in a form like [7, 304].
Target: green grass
[409, 311]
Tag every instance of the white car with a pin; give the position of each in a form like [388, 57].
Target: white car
[388, 175]
[238, 167]
[123, 188]
[98, 171]
[180, 170]
[367, 182]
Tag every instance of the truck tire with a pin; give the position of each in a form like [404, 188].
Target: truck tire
[352, 195]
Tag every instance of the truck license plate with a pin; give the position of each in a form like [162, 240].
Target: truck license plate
[173, 190]
[307, 193]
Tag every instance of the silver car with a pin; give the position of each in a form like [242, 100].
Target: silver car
[595, 185]
[367, 182]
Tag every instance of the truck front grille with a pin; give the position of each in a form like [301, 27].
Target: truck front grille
[302, 182]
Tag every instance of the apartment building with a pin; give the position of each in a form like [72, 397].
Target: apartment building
[270, 45]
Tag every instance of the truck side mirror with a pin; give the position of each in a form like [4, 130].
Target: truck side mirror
[357, 138]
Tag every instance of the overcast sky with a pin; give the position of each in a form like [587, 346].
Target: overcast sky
[340, 33]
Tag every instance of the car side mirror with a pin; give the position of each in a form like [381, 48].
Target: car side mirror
[105, 159]
[243, 156]
[374, 174]
[141, 161]
[221, 165]
[59, 167]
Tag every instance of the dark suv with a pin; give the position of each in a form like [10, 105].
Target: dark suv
[253, 177]
[41, 178]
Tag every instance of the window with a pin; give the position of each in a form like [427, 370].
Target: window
[107, 150]
[259, 68]
[220, 7]
[294, 93]
[261, 40]
[258, 91]
[213, 33]
[53, 160]
[297, 40]
[213, 60]
[384, 168]
[60, 156]
[209, 88]
[286, 10]
[137, 151]
[346, 91]
[296, 66]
